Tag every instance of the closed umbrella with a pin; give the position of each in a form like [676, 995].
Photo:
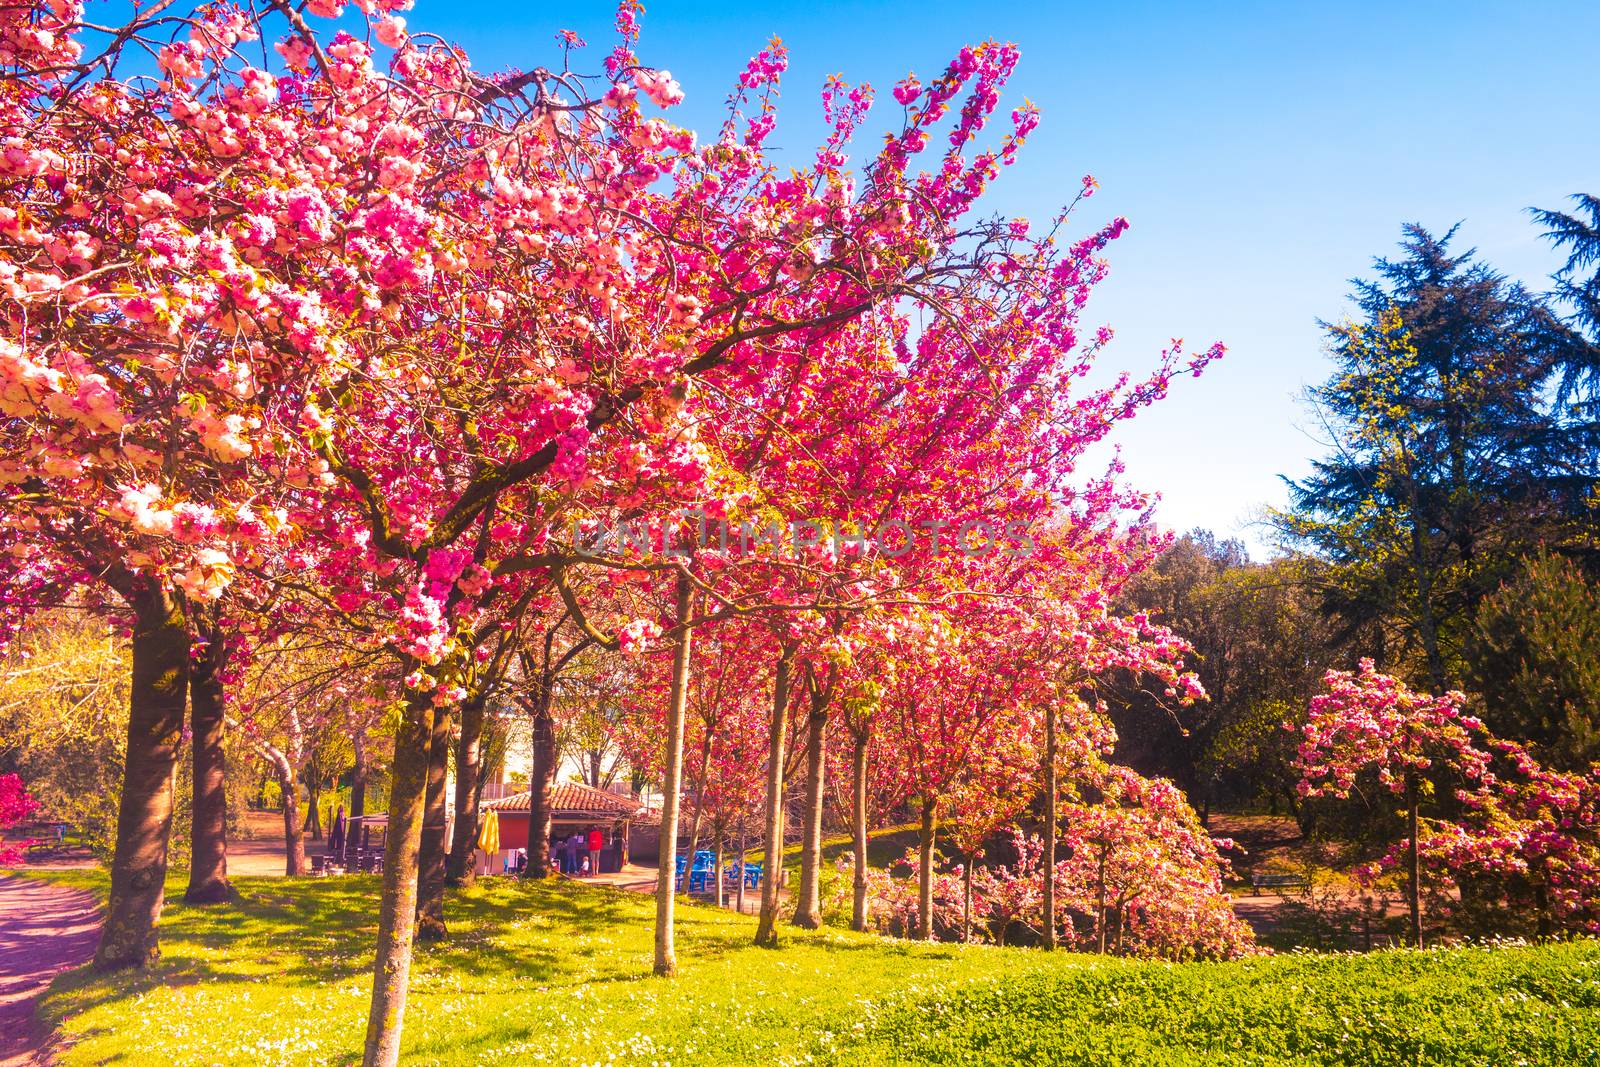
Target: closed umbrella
[489, 834]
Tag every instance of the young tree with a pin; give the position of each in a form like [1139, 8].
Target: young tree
[1367, 721]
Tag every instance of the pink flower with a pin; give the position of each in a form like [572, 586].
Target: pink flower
[659, 87]
[392, 31]
[635, 637]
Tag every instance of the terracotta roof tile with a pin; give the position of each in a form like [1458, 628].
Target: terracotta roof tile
[569, 797]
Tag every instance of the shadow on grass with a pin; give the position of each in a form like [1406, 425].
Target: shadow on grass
[504, 934]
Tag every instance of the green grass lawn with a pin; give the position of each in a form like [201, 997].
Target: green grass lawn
[560, 974]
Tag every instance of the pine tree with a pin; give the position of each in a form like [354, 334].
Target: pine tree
[1451, 455]
[1536, 660]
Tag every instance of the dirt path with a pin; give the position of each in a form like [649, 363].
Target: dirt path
[44, 930]
[256, 851]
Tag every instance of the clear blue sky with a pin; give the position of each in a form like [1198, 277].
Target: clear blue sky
[1263, 152]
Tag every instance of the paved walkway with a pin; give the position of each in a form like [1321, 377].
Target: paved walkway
[44, 930]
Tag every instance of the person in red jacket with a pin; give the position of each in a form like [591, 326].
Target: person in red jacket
[597, 841]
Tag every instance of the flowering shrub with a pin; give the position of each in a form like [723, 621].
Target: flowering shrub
[1524, 837]
[895, 907]
[1141, 879]
[16, 804]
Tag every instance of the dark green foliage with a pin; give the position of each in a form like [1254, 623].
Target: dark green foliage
[1536, 661]
[1451, 454]
[1261, 647]
[1578, 281]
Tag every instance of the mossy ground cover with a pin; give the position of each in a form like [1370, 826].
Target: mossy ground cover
[560, 974]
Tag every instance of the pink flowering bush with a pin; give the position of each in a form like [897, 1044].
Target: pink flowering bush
[894, 895]
[16, 805]
[1140, 879]
[1509, 838]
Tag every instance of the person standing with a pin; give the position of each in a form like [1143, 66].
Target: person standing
[569, 852]
[597, 841]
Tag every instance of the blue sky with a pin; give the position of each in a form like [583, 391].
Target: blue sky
[1264, 153]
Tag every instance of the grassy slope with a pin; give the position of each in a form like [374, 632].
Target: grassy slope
[559, 974]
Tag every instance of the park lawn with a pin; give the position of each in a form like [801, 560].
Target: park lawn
[559, 973]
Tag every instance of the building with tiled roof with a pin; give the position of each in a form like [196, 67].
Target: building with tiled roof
[574, 808]
[571, 799]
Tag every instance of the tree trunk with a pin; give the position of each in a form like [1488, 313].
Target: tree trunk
[430, 847]
[459, 868]
[738, 902]
[966, 900]
[772, 862]
[294, 842]
[930, 828]
[358, 778]
[397, 906]
[699, 804]
[858, 776]
[666, 962]
[159, 682]
[1100, 905]
[718, 832]
[1050, 820]
[313, 823]
[808, 901]
[208, 833]
[1413, 864]
[541, 780]
[358, 794]
[1427, 627]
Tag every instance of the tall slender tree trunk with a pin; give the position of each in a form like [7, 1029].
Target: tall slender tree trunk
[541, 780]
[158, 685]
[772, 863]
[313, 824]
[358, 794]
[666, 962]
[430, 847]
[858, 778]
[294, 841]
[930, 830]
[208, 833]
[459, 868]
[1050, 820]
[1427, 626]
[359, 773]
[1413, 862]
[1100, 904]
[808, 901]
[718, 831]
[699, 798]
[397, 906]
[966, 899]
[738, 902]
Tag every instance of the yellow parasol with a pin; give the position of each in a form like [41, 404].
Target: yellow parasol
[489, 833]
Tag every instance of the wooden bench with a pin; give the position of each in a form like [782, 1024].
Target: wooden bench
[1278, 883]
